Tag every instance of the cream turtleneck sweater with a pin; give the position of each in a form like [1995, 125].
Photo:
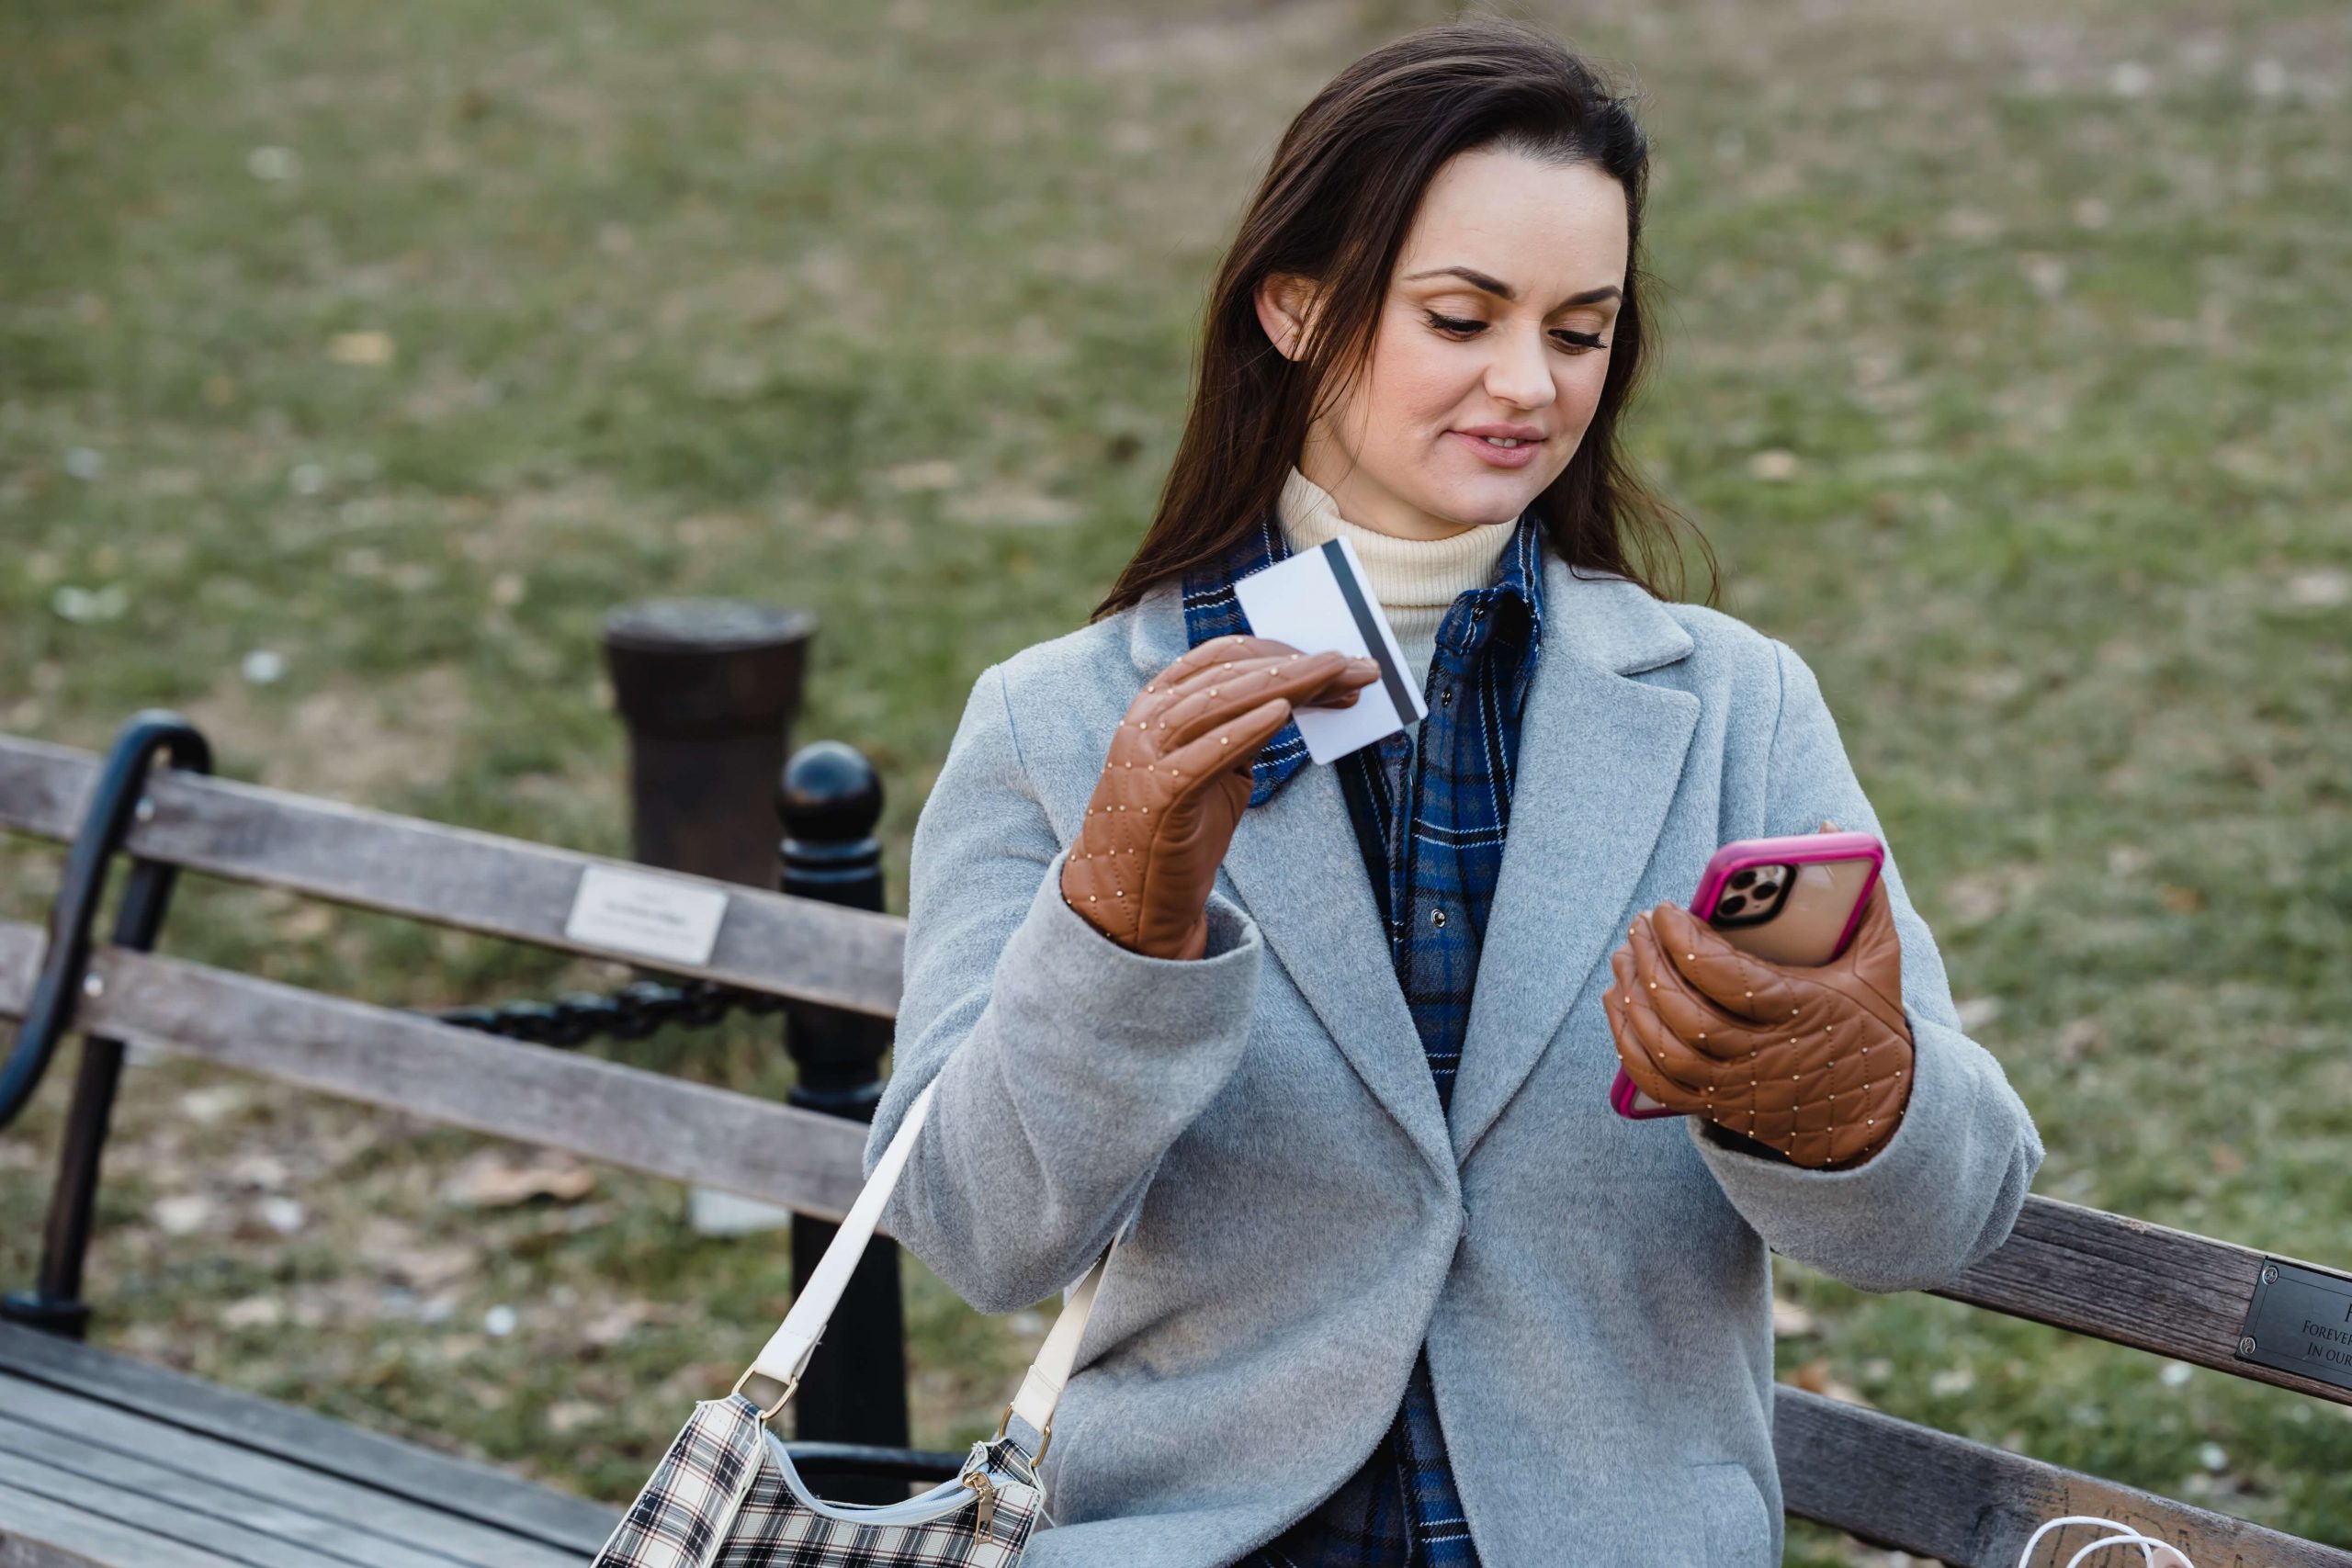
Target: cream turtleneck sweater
[1416, 580]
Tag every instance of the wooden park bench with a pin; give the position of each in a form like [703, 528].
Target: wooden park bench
[106, 1460]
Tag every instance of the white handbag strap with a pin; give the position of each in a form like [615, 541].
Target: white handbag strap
[786, 1353]
[1041, 1390]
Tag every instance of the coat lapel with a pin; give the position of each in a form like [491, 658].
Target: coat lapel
[1599, 759]
[1296, 865]
[1600, 756]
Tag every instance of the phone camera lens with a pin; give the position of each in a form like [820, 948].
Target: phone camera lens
[1731, 904]
[1743, 879]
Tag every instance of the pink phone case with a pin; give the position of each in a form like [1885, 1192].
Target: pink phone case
[1807, 921]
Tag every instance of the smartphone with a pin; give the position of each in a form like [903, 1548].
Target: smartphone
[1793, 900]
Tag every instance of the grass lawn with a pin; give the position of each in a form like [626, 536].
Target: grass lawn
[356, 360]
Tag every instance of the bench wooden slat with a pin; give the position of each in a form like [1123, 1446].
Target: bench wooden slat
[44, 788]
[2168, 1291]
[536, 1512]
[451, 876]
[367, 1511]
[1928, 1492]
[601, 1110]
[37, 1533]
[171, 1507]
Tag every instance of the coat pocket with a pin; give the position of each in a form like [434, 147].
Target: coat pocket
[1732, 1510]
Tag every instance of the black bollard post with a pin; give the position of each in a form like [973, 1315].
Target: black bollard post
[709, 690]
[855, 1388]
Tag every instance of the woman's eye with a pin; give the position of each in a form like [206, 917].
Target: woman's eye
[1573, 341]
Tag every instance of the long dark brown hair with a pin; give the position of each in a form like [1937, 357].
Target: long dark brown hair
[1335, 206]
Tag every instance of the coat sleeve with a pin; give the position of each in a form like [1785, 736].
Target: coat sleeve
[1065, 1064]
[1948, 1187]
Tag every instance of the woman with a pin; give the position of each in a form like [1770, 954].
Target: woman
[1327, 1050]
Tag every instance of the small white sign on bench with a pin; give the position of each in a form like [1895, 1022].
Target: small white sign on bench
[658, 917]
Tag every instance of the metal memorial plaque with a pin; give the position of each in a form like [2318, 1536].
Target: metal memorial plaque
[656, 916]
[2300, 1322]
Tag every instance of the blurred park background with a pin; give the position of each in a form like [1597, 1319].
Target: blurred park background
[356, 360]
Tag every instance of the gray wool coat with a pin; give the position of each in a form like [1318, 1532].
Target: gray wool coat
[1296, 1215]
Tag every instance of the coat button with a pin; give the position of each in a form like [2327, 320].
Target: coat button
[1437, 918]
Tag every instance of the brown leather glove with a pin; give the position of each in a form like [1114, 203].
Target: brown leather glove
[1178, 780]
[1812, 1061]
[1177, 783]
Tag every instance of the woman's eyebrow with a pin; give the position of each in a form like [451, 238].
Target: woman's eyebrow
[1497, 286]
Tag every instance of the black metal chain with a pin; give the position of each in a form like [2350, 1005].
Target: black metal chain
[634, 1011]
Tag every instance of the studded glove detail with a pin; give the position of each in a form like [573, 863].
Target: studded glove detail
[1814, 1062]
[1177, 779]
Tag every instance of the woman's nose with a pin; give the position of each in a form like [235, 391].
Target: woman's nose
[1518, 374]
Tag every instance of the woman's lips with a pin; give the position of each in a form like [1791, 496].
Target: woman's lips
[1516, 456]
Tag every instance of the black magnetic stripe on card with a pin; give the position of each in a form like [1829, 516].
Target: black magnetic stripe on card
[1360, 607]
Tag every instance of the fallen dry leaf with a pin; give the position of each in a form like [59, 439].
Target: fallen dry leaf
[389, 1242]
[568, 1416]
[212, 1104]
[1815, 1377]
[936, 473]
[615, 1322]
[361, 348]
[494, 1179]
[184, 1214]
[253, 1312]
[711, 1380]
[428, 1269]
[2324, 588]
[259, 1170]
[2084, 1036]
[1975, 1012]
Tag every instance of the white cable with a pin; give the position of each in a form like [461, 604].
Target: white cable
[2129, 1537]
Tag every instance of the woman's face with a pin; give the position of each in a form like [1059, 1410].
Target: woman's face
[1496, 323]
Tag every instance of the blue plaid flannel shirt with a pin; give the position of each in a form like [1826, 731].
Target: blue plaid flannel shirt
[1431, 838]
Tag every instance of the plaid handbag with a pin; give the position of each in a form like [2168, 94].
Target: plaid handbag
[726, 1496]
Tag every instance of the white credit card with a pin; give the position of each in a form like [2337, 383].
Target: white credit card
[1317, 603]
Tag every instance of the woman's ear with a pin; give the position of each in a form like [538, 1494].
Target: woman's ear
[1286, 308]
